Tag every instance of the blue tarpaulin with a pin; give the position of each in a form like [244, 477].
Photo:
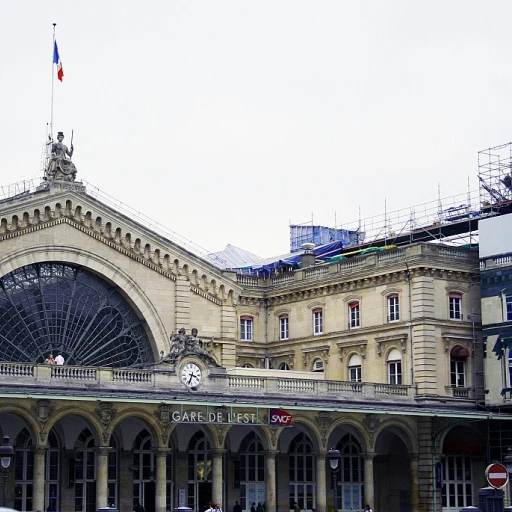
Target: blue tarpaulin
[322, 235]
[272, 266]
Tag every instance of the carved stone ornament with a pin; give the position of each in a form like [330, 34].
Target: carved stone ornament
[164, 414]
[273, 436]
[371, 422]
[106, 413]
[43, 409]
[183, 344]
[221, 432]
[323, 420]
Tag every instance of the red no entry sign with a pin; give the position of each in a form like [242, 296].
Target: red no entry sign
[497, 475]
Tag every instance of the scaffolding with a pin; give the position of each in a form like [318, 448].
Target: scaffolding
[451, 219]
[494, 176]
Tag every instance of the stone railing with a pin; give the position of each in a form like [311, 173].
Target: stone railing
[132, 376]
[320, 388]
[100, 379]
[458, 392]
[496, 261]
[372, 261]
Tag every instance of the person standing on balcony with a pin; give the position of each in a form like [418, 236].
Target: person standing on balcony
[59, 360]
[49, 359]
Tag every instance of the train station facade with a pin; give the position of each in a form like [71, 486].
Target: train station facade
[185, 384]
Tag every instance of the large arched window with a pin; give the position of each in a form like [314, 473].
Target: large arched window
[199, 471]
[302, 473]
[143, 470]
[24, 471]
[350, 475]
[252, 471]
[48, 307]
[85, 472]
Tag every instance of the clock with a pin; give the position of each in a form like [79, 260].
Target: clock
[191, 375]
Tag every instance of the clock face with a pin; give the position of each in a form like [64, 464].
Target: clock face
[191, 375]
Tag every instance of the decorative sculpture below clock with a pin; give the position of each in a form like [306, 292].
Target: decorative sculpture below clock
[183, 345]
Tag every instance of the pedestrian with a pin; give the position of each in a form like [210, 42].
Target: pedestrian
[59, 360]
[368, 508]
[296, 507]
[237, 507]
[218, 508]
[253, 507]
[49, 359]
[260, 507]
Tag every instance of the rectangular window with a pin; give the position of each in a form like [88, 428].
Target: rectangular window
[353, 311]
[457, 374]
[455, 306]
[393, 309]
[318, 326]
[354, 374]
[284, 331]
[508, 302]
[246, 328]
[395, 372]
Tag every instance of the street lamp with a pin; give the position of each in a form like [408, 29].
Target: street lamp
[6, 456]
[507, 460]
[333, 456]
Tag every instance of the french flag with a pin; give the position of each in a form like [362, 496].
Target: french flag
[56, 60]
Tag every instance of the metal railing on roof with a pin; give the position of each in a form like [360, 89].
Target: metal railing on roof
[26, 187]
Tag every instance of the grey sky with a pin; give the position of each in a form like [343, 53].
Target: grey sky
[223, 120]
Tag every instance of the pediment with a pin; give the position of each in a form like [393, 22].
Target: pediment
[131, 235]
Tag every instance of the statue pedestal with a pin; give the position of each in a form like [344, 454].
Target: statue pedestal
[61, 185]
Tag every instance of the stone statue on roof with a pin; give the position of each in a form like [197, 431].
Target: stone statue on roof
[183, 344]
[60, 166]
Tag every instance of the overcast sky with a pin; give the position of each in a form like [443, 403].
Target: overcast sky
[224, 120]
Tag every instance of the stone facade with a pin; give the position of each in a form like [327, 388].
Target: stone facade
[379, 356]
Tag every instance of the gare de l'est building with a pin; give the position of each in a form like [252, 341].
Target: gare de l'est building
[185, 383]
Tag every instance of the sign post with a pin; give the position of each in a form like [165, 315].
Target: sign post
[497, 475]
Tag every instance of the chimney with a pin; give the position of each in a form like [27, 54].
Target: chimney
[307, 258]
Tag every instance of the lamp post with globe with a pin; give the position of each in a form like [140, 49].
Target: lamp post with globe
[507, 462]
[333, 456]
[6, 457]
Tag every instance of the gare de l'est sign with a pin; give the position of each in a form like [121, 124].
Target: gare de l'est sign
[275, 417]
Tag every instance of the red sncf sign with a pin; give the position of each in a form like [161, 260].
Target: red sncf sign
[497, 475]
[279, 417]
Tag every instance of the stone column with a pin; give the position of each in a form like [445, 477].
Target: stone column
[369, 492]
[270, 481]
[321, 483]
[38, 491]
[415, 493]
[217, 478]
[102, 477]
[161, 479]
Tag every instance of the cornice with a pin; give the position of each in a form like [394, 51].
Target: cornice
[334, 284]
[139, 258]
[27, 213]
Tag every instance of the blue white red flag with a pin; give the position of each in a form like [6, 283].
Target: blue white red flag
[56, 60]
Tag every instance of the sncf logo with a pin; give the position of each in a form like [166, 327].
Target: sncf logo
[279, 417]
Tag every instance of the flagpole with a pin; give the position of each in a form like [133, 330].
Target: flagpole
[53, 75]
